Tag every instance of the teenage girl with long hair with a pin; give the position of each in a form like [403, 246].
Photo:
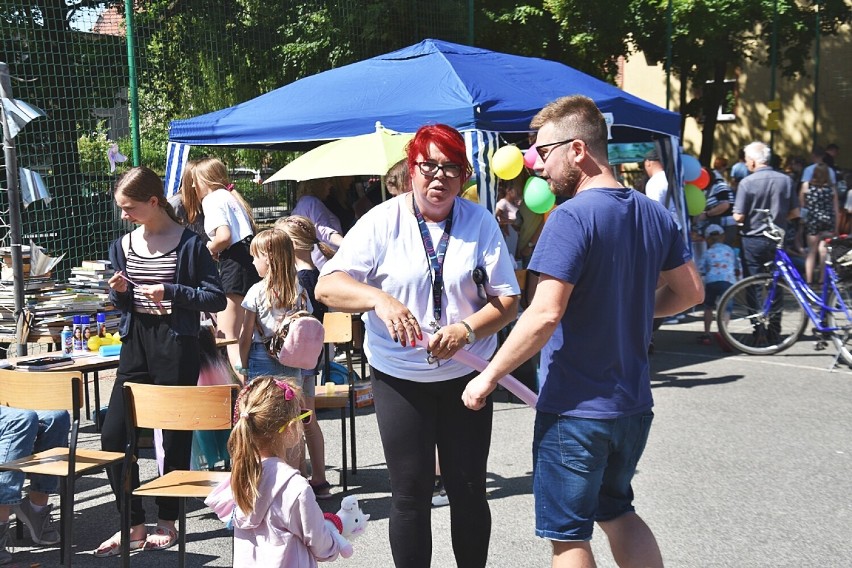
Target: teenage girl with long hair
[303, 234]
[277, 522]
[165, 277]
[229, 223]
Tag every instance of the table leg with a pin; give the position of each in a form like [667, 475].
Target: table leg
[97, 384]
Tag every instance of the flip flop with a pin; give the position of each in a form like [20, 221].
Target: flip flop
[162, 531]
[112, 546]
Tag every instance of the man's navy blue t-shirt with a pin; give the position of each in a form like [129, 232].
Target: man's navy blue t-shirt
[611, 244]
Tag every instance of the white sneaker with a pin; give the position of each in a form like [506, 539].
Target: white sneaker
[440, 499]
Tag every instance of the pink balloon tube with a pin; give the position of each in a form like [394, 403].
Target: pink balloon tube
[509, 382]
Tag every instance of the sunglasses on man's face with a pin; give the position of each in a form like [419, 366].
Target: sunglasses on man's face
[306, 416]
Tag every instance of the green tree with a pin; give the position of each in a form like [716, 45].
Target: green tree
[709, 38]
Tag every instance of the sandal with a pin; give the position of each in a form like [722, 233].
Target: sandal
[322, 490]
[162, 530]
[112, 546]
[704, 339]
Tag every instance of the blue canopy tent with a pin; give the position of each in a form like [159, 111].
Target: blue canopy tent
[480, 92]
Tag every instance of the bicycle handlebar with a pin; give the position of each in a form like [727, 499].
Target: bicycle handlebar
[774, 232]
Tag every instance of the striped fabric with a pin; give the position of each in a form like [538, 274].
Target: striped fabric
[177, 155]
[150, 270]
[481, 145]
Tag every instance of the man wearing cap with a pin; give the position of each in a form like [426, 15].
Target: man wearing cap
[657, 187]
[765, 188]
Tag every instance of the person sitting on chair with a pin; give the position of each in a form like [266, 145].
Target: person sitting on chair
[23, 432]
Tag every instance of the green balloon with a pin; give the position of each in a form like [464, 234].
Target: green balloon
[537, 195]
[695, 199]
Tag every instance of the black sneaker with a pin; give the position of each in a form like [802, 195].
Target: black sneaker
[5, 555]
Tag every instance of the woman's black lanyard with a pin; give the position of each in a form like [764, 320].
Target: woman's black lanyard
[436, 260]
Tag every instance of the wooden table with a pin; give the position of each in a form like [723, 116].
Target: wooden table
[93, 363]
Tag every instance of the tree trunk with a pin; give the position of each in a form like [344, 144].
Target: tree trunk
[712, 98]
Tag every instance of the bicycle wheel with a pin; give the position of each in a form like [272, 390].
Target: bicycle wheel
[752, 325]
[842, 338]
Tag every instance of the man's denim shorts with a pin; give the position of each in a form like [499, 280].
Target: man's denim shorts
[582, 471]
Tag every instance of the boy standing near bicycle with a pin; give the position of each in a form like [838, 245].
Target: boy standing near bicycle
[720, 269]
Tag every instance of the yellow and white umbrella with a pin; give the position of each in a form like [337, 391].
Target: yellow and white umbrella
[367, 154]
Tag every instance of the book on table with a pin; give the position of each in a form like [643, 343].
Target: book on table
[44, 363]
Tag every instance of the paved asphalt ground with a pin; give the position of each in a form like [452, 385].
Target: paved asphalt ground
[749, 464]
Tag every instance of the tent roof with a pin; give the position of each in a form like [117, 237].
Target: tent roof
[432, 81]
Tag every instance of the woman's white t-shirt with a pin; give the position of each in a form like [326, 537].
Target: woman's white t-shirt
[222, 209]
[385, 250]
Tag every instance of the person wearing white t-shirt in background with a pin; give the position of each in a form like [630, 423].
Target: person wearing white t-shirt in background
[657, 186]
[229, 224]
[391, 266]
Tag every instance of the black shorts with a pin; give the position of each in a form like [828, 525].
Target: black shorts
[236, 270]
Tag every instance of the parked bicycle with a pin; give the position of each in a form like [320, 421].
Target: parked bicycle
[766, 313]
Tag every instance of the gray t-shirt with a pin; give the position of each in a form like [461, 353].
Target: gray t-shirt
[765, 189]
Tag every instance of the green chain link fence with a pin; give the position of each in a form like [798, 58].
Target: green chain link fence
[70, 59]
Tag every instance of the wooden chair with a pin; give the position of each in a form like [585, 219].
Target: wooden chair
[338, 329]
[173, 408]
[54, 391]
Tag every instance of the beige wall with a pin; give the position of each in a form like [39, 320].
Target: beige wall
[753, 82]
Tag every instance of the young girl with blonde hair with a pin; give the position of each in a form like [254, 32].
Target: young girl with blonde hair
[303, 234]
[277, 521]
[229, 223]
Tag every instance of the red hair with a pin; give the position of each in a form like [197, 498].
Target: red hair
[447, 139]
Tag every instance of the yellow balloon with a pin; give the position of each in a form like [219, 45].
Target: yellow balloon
[94, 343]
[507, 162]
[116, 339]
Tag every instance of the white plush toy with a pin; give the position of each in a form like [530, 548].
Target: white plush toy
[349, 522]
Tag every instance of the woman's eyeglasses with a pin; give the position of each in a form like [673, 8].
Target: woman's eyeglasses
[306, 416]
[430, 169]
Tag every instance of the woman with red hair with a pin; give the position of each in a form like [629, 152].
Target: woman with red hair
[428, 261]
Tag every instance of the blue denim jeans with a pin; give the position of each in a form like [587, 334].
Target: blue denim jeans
[583, 470]
[23, 432]
[260, 364]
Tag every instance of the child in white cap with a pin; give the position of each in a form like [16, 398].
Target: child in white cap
[719, 268]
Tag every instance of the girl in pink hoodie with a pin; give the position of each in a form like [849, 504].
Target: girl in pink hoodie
[277, 521]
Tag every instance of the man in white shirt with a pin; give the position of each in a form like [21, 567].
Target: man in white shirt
[657, 187]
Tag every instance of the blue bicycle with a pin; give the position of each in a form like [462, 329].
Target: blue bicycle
[767, 313]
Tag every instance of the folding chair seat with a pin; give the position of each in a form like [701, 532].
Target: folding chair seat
[173, 408]
[54, 391]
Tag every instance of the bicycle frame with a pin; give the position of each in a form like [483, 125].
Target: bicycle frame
[806, 297]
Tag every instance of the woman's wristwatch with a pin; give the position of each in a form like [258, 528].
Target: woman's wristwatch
[471, 337]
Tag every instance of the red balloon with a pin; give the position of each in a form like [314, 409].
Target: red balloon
[702, 180]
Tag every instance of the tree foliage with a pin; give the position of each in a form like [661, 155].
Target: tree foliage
[709, 39]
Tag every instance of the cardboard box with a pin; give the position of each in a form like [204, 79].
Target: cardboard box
[363, 395]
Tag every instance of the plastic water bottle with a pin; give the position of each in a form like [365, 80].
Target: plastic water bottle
[67, 339]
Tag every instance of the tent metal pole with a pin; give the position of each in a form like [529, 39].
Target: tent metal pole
[14, 194]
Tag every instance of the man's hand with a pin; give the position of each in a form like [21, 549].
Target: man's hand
[476, 391]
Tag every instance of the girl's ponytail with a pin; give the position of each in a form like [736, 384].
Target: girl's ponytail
[263, 407]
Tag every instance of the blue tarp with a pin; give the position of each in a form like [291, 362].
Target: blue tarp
[432, 81]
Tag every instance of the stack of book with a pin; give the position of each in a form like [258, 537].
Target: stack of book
[91, 275]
